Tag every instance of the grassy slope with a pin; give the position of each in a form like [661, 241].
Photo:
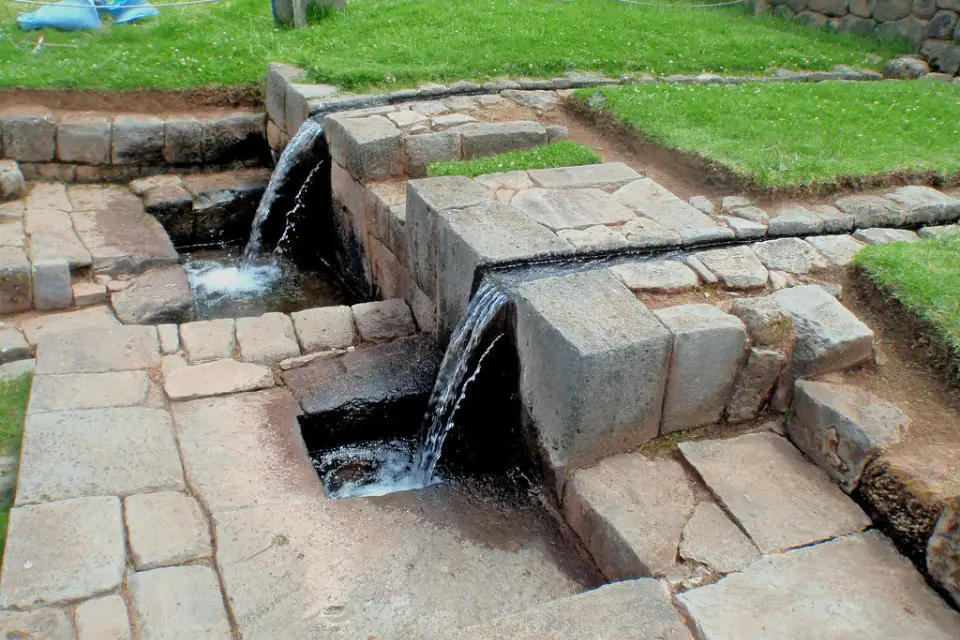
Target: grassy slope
[13, 405]
[924, 277]
[794, 134]
[402, 42]
[559, 154]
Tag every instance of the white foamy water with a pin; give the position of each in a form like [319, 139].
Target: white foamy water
[369, 470]
[211, 279]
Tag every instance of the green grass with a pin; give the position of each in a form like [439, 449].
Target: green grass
[13, 407]
[558, 154]
[925, 278]
[792, 135]
[393, 43]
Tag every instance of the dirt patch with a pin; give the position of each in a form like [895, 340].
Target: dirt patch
[135, 101]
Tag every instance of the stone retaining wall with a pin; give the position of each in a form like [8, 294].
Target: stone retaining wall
[94, 147]
[932, 26]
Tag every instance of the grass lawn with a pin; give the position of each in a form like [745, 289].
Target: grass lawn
[925, 278]
[13, 406]
[790, 135]
[396, 43]
[558, 154]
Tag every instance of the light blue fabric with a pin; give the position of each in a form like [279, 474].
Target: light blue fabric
[65, 15]
[123, 12]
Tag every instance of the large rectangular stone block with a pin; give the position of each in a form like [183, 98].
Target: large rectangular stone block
[296, 106]
[29, 135]
[235, 138]
[182, 141]
[278, 76]
[481, 236]
[593, 364]
[137, 140]
[84, 138]
[370, 148]
[488, 139]
[422, 150]
[15, 281]
[610, 175]
[708, 349]
[425, 200]
[52, 287]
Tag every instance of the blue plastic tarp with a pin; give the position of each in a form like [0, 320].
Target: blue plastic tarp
[79, 15]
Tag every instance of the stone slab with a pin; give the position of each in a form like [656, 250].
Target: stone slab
[217, 378]
[629, 512]
[13, 346]
[104, 618]
[791, 255]
[610, 175]
[629, 610]
[692, 226]
[842, 428]
[924, 204]
[49, 195]
[594, 239]
[15, 281]
[885, 236]
[179, 603]
[53, 245]
[838, 250]
[794, 220]
[86, 294]
[777, 497]
[165, 528]
[65, 550]
[71, 454]
[745, 229]
[325, 328]
[17, 368]
[871, 211]
[663, 276]
[383, 320]
[244, 449]
[853, 587]
[754, 384]
[583, 339]
[369, 148]
[711, 539]
[708, 349]
[642, 194]
[267, 339]
[91, 320]
[943, 550]
[559, 209]
[491, 138]
[40, 624]
[208, 340]
[112, 349]
[157, 296]
[735, 267]
[89, 391]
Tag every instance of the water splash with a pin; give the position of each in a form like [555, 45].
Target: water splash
[218, 279]
[298, 205]
[300, 143]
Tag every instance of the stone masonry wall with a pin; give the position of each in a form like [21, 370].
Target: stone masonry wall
[932, 26]
[95, 147]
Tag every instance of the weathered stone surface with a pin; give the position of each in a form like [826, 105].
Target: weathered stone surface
[91, 320]
[744, 229]
[17, 368]
[49, 195]
[751, 213]
[208, 340]
[944, 55]
[238, 136]
[871, 211]
[159, 295]
[89, 391]
[267, 339]
[692, 226]
[84, 138]
[885, 236]
[217, 378]
[179, 603]
[53, 245]
[791, 255]
[838, 250]
[942, 25]
[169, 338]
[324, 328]
[629, 512]
[542, 100]
[842, 428]
[424, 149]
[310, 358]
[642, 195]
[924, 9]
[225, 455]
[165, 528]
[383, 321]
[923, 204]
[89, 293]
[483, 236]
[65, 550]
[812, 18]
[630, 609]
[12, 185]
[777, 497]
[40, 624]
[736, 267]
[570, 208]
[71, 454]
[905, 68]
[595, 238]
[708, 348]
[103, 619]
[369, 148]
[29, 135]
[111, 349]
[828, 336]
[487, 139]
[766, 322]
[573, 357]
[183, 141]
[13, 346]
[137, 140]
[710, 538]
[833, 220]
[440, 123]
[754, 383]
[610, 175]
[172, 205]
[15, 281]
[943, 550]
[861, 575]
[224, 205]
[702, 204]
[794, 221]
[668, 276]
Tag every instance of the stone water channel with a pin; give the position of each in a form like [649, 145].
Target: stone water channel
[166, 488]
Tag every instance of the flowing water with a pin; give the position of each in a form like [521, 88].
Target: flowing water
[289, 159]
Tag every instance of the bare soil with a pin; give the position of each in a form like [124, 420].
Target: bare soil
[135, 101]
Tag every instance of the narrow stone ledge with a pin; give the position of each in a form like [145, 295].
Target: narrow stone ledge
[222, 377]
